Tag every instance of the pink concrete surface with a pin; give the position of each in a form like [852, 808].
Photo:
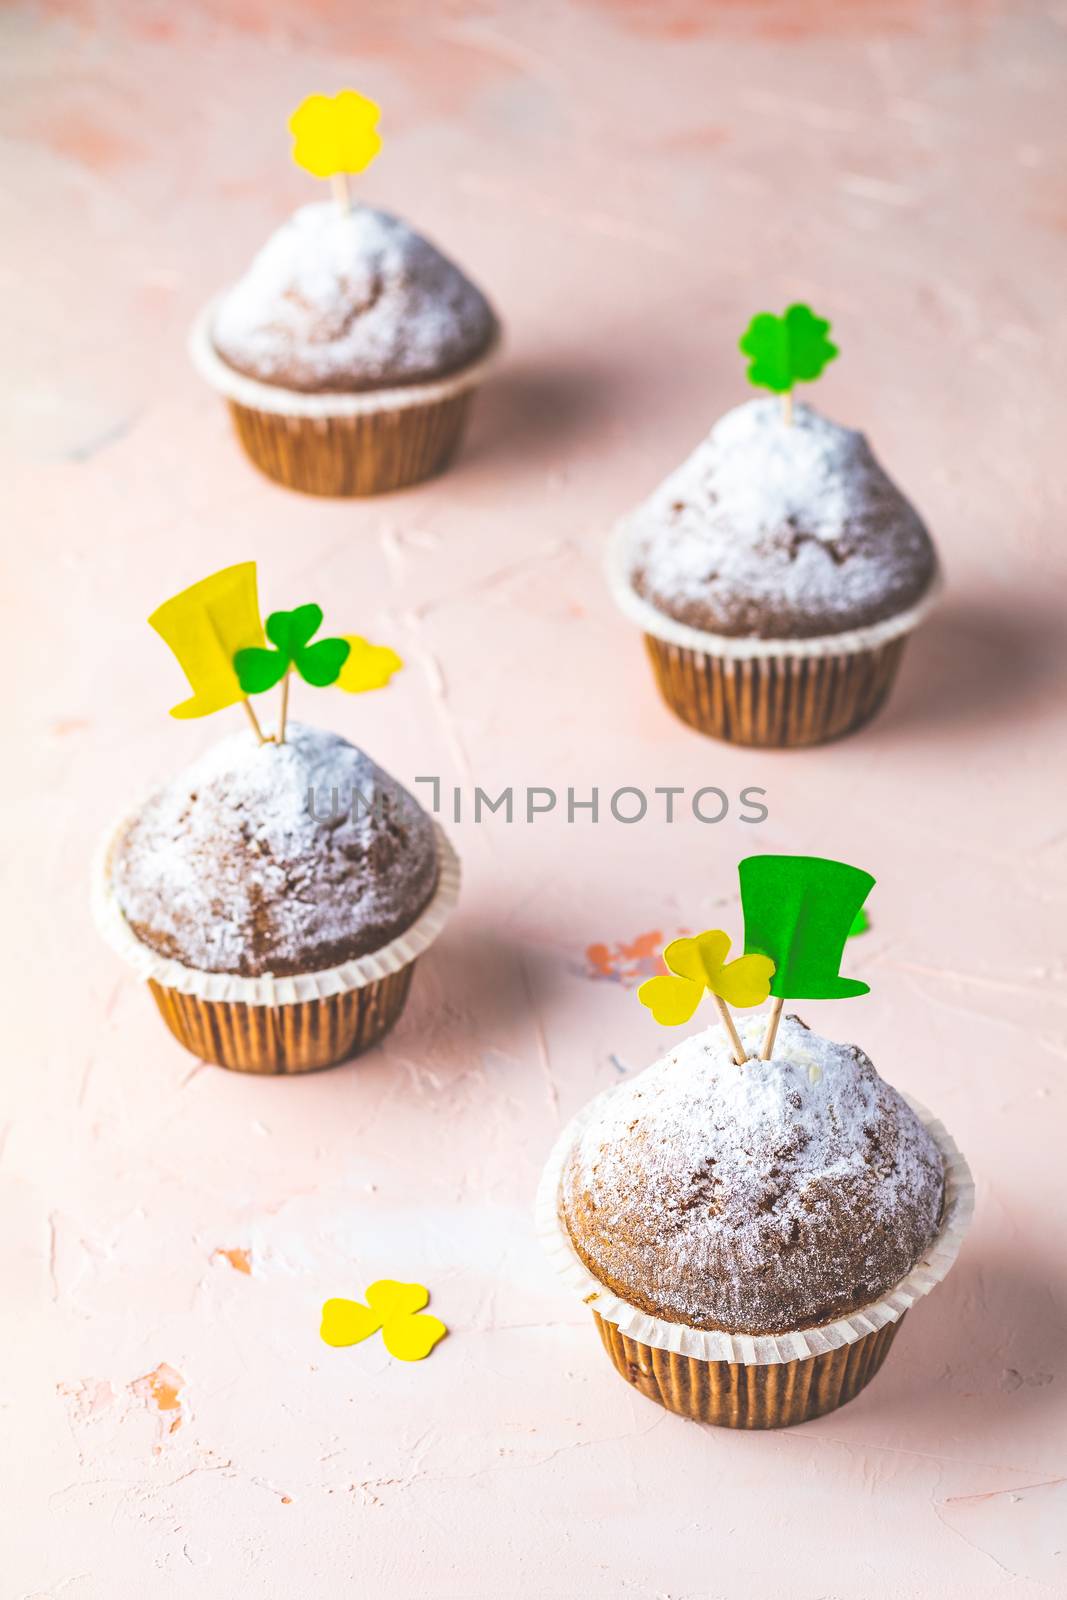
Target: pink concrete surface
[630, 181]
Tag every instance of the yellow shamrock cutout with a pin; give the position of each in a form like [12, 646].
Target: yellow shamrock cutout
[699, 964]
[335, 135]
[368, 666]
[392, 1307]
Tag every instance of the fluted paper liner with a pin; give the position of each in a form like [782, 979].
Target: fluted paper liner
[651, 620]
[756, 1349]
[269, 991]
[277, 401]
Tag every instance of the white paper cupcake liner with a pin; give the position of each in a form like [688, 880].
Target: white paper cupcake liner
[755, 1349]
[269, 991]
[276, 401]
[619, 565]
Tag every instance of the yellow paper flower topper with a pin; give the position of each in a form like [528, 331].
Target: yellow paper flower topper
[335, 135]
[368, 666]
[392, 1307]
[699, 964]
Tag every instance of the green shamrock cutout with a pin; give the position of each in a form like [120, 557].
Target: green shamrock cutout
[786, 350]
[290, 632]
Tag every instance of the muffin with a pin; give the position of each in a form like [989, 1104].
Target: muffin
[750, 1237]
[348, 352]
[776, 575]
[276, 898]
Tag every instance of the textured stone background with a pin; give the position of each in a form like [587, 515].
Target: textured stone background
[630, 181]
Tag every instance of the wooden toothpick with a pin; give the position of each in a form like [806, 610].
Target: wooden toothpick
[285, 709]
[342, 190]
[732, 1033]
[787, 407]
[254, 720]
[772, 1030]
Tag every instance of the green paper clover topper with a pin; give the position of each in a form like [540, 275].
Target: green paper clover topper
[291, 631]
[786, 350]
[800, 910]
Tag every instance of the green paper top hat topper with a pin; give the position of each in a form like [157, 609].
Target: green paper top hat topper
[787, 350]
[214, 630]
[799, 912]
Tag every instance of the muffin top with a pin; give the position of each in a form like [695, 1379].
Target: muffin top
[773, 530]
[275, 858]
[757, 1199]
[339, 301]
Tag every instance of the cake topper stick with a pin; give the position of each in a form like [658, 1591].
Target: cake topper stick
[700, 964]
[285, 708]
[731, 1031]
[767, 1048]
[336, 137]
[254, 720]
[799, 911]
[786, 350]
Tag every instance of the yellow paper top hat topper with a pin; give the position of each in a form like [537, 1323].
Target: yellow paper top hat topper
[334, 137]
[228, 654]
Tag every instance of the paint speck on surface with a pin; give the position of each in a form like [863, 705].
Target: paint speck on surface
[704, 137]
[779, 20]
[628, 963]
[1013, 1380]
[161, 1390]
[87, 1398]
[80, 138]
[239, 1258]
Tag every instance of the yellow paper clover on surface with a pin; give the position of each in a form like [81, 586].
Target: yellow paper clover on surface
[698, 964]
[335, 134]
[393, 1308]
[368, 666]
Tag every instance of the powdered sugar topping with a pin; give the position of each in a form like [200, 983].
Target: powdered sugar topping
[760, 1198]
[352, 300]
[276, 859]
[775, 531]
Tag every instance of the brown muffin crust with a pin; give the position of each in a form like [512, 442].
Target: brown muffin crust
[772, 531]
[344, 302]
[758, 1199]
[275, 859]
